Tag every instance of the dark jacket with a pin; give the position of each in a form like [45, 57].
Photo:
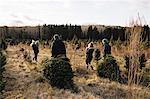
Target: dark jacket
[89, 55]
[35, 48]
[58, 47]
[107, 49]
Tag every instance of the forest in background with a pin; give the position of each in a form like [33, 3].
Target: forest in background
[71, 32]
[128, 53]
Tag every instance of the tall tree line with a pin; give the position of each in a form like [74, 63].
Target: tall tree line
[69, 32]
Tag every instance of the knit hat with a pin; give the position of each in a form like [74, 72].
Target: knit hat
[105, 41]
[56, 37]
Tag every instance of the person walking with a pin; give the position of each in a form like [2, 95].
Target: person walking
[35, 47]
[58, 47]
[89, 55]
[106, 47]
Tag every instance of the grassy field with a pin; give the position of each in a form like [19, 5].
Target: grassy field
[24, 80]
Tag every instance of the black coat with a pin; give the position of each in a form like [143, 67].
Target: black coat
[58, 48]
[89, 55]
[107, 49]
[35, 48]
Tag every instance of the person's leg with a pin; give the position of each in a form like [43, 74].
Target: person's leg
[91, 67]
[90, 64]
[104, 54]
[87, 63]
[36, 56]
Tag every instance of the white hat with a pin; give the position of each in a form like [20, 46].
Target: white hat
[56, 37]
[105, 41]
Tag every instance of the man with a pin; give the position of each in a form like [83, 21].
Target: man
[58, 47]
[107, 47]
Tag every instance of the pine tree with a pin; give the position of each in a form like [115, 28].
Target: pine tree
[2, 63]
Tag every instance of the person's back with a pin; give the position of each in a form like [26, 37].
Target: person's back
[35, 47]
[89, 52]
[58, 47]
[107, 49]
[89, 55]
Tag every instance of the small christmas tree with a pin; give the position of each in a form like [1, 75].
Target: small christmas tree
[108, 68]
[59, 72]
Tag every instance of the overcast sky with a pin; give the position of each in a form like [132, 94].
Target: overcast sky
[105, 12]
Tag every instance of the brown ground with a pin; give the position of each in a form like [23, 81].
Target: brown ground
[24, 80]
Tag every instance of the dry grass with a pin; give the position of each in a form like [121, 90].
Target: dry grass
[135, 50]
[25, 80]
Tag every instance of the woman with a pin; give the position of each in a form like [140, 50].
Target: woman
[89, 55]
[35, 47]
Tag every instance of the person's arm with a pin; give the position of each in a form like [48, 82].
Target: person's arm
[52, 50]
[64, 48]
[105, 48]
[87, 50]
